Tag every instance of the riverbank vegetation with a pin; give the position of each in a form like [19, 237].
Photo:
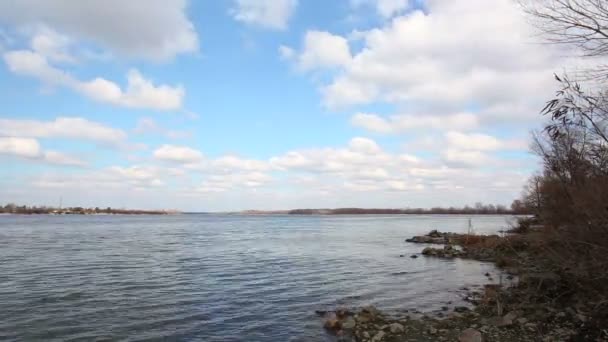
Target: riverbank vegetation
[34, 210]
[559, 257]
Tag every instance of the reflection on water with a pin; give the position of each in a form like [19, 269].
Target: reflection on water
[216, 277]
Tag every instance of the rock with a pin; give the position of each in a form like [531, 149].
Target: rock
[508, 319]
[321, 312]
[413, 256]
[371, 310]
[470, 335]
[362, 318]
[341, 313]
[432, 331]
[349, 323]
[434, 233]
[332, 324]
[522, 320]
[401, 255]
[378, 337]
[445, 308]
[461, 309]
[366, 334]
[429, 251]
[396, 328]
[530, 326]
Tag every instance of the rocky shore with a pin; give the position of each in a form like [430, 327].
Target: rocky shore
[524, 310]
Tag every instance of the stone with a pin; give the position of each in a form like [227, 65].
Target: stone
[396, 328]
[332, 324]
[413, 256]
[371, 310]
[530, 326]
[522, 320]
[378, 337]
[508, 319]
[432, 330]
[461, 309]
[429, 251]
[470, 335]
[349, 323]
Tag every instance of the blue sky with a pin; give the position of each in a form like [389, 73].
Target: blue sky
[268, 104]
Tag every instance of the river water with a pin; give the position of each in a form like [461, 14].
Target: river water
[201, 277]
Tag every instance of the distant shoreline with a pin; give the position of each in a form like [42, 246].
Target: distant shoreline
[485, 210]
[25, 210]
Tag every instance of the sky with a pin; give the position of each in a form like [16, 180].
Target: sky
[269, 104]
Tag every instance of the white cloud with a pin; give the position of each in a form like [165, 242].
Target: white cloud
[481, 142]
[286, 53]
[272, 14]
[151, 29]
[65, 128]
[447, 60]
[321, 50]
[178, 154]
[55, 157]
[386, 8]
[139, 93]
[239, 180]
[29, 148]
[465, 158]
[231, 163]
[52, 45]
[408, 122]
[149, 126]
[20, 147]
[364, 145]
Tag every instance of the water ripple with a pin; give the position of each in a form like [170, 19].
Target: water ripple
[214, 277]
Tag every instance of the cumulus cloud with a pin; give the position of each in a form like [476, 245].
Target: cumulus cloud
[151, 29]
[420, 57]
[230, 163]
[150, 126]
[64, 128]
[321, 50]
[20, 147]
[30, 149]
[419, 61]
[139, 93]
[272, 14]
[386, 8]
[178, 154]
[240, 180]
[53, 45]
[60, 158]
[406, 122]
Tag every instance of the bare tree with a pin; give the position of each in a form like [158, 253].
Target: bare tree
[579, 23]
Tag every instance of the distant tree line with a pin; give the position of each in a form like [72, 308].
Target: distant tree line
[517, 208]
[12, 208]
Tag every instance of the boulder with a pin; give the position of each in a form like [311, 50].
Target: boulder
[429, 251]
[370, 310]
[332, 324]
[349, 323]
[378, 337]
[396, 328]
[470, 335]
